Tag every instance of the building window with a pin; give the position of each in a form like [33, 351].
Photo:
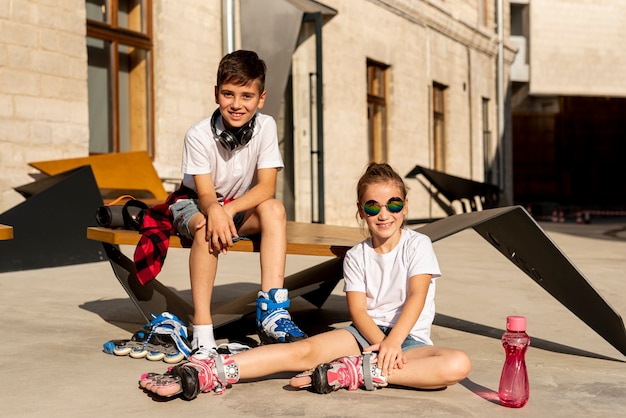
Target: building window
[377, 111]
[487, 145]
[119, 52]
[439, 133]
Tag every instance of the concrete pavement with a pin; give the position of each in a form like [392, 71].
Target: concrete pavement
[56, 319]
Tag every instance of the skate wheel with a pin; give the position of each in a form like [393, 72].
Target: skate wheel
[138, 353]
[174, 358]
[155, 356]
[121, 350]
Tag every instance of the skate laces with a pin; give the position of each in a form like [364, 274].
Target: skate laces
[203, 353]
[215, 372]
[208, 376]
[349, 375]
[353, 371]
[168, 324]
[279, 322]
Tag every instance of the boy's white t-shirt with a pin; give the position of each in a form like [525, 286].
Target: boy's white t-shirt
[233, 172]
[384, 278]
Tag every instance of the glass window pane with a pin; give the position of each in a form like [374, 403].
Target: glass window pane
[133, 97]
[123, 104]
[130, 15]
[97, 10]
[99, 80]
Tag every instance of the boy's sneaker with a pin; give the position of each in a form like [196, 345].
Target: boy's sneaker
[349, 372]
[274, 324]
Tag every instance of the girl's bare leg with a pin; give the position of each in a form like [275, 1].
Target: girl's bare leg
[297, 356]
[269, 359]
[432, 367]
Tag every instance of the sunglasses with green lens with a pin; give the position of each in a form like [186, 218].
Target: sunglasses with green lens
[373, 208]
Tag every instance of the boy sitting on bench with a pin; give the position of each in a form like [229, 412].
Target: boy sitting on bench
[230, 164]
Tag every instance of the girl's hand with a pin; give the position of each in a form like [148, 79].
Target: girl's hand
[390, 356]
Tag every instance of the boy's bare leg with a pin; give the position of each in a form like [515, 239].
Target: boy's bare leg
[274, 323]
[202, 271]
[269, 219]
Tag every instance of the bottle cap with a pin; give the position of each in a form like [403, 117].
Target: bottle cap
[516, 323]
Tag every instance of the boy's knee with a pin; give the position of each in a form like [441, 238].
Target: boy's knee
[272, 208]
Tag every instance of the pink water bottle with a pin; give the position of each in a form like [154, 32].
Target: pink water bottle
[514, 389]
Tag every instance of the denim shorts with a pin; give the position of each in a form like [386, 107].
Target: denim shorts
[184, 209]
[408, 344]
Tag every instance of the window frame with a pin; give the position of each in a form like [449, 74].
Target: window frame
[439, 126]
[376, 78]
[120, 38]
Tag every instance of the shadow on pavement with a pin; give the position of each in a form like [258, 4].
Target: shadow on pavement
[496, 333]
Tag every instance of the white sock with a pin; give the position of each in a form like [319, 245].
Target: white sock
[203, 337]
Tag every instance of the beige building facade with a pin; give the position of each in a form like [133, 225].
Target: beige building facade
[349, 81]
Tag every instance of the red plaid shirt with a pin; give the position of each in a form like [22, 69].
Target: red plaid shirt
[156, 229]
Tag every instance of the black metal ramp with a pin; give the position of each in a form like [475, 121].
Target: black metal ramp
[513, 232]
[49, 226]
[466, 192]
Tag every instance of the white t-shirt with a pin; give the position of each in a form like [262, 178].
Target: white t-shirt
[233, 172]
[384, 278]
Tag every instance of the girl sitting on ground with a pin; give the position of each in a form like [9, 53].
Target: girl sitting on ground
[390, 290]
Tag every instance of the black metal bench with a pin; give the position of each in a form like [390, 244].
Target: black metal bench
[472, 195]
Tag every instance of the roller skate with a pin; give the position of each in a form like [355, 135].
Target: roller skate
[203, 353]
[163, 338]
[191, 378]
[350, 372]
[274, 324]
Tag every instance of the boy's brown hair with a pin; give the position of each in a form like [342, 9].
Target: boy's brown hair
[242, 68]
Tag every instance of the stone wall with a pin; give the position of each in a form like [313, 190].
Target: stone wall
[577, 48]
[44, 102]
[43, 88]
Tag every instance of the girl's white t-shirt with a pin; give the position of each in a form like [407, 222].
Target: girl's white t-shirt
[233, 172]
[384, 278]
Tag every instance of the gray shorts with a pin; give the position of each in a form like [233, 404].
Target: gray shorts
[182, 211]
[408, 344]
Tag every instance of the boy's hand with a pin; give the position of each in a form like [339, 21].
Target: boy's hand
[220, 229]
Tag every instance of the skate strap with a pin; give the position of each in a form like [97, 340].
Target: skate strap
[169, 324]
[367, 370]
[232, 348]
[219, 366]
[270, 305]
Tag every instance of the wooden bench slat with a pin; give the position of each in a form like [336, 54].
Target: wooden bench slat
[6, 232]
[302, 238]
